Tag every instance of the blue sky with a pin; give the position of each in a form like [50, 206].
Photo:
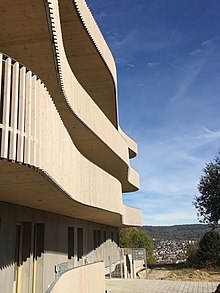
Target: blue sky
[168, 61]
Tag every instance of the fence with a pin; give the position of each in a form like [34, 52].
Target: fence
[130, 261]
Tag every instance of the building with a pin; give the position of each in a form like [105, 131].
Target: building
[64, 159]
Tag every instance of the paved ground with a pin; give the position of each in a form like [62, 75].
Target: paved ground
[158, 286]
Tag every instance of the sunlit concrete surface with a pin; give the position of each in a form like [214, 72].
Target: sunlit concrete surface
[64, 160]
[157, 286]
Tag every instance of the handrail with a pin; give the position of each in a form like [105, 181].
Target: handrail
[55, 281]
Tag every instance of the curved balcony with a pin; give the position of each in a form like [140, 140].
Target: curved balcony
[40, 165]
[84, 279]
[132, 145]
[28, 38]
[131, 216]
[79, 30]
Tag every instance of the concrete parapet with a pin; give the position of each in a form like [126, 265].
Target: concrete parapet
[85, 279]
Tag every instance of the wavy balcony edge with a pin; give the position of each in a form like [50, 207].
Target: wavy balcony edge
[30, 126]
[96, 35]
[82, 105]
[132, 216]
[80, 30]
[88, 127]
[132, 145]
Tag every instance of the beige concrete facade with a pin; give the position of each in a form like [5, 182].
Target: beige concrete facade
[89, 128]
[54, 250]
[34, 135]
[82, 279]
[62, 151]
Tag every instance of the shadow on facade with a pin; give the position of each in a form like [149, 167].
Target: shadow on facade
[28, 233]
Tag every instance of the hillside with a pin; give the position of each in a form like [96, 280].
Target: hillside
[177, 232]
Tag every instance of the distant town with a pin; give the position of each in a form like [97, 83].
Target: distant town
[170, 251]
[170, 242]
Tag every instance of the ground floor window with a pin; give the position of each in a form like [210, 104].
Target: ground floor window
[79, 243]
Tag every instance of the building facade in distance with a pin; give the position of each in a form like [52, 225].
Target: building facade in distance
[64, 161]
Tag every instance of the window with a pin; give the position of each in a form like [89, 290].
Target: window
[70, 242]
[112, 236]
[99, 237]
[104, 236]
[79, 243]
[94, 239]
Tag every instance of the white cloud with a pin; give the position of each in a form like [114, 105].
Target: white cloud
[170, 217]
[170, 170]
[152, 64]
[191, 73]
[210, 41]
[100, 15]
[124, 41]
[210, 134]
[124, 62]
[194, 67]
[204, 46]
[176, 136]
[160, 210]
[196, 52]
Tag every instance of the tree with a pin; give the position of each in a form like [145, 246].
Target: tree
[137, 238]
[208, 203]
[206, 251]
[192, 252]
[209, 248]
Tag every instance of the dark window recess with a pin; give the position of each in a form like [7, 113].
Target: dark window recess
[118, 238]
[104, 236]
[99, 237]
[2, 92]
[79, 243]
[23, 243]
[39, 240]
[94, 239]
[26, 241]
[112, 236]
[70, 242]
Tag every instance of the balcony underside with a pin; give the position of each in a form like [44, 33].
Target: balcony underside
[33, 135]
[25, 36]
[28, 186]
[93, 65]
[85, 60]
